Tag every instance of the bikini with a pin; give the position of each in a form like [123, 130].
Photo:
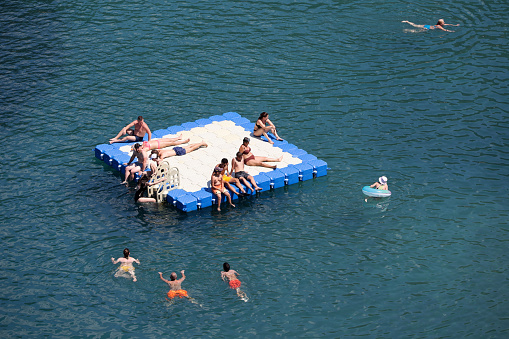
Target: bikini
[247, 151]
[146, 144]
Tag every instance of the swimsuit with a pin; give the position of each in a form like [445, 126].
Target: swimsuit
[215, 190]
[127, 268]
[179, 150]
[146, 144]
[249, 158]
[138, 138]
[247, 151]
[241, 174]
[234, 283]
[177, 293]
[226, 178]
[429, 26]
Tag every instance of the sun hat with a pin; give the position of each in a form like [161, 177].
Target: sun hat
[382, 180]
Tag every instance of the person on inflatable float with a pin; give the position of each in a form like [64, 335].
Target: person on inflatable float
[381, 184]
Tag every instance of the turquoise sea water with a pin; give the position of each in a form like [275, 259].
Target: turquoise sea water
[344, 80]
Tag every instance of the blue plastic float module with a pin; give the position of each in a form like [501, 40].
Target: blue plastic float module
[310, 167]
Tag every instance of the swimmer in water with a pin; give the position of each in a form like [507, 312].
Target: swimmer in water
[175, 285]
[126, 265]
[440, 25]
[233, 282]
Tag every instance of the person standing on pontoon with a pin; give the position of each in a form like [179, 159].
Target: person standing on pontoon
[264, 125]
[440, 25]
[251, 160]
[136, 134]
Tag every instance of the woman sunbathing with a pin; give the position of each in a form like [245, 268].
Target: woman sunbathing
[252, 160]
[264, 125]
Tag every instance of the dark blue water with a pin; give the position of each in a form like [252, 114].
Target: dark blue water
[344, 80]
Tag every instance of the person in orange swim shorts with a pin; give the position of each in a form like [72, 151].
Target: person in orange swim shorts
[175, 285]
[233, 282]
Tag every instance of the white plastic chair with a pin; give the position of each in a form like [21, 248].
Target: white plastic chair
[171, 181]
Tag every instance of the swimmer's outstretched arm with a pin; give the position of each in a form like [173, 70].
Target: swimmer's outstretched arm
[161, 276]
[183, 276]
[443, 29]
[136, 261]
[114, 261]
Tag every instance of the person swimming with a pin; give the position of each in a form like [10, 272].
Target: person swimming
[233, 282]
[440, 25]
[126, 265]
[175, 285]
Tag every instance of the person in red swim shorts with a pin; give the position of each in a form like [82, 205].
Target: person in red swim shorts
[175, 285]
[234, 283]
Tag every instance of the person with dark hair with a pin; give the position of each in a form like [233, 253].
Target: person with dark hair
[136, 134]
[143, 184]
[251, 160]
[141, 165]
[175, 285]
[233, 282]
[264, 125]
[440, 25]
[126, 265]
[217, 186]
[241, 175]
[228, 179]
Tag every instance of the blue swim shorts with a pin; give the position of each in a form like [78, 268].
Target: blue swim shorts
[179, 150]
